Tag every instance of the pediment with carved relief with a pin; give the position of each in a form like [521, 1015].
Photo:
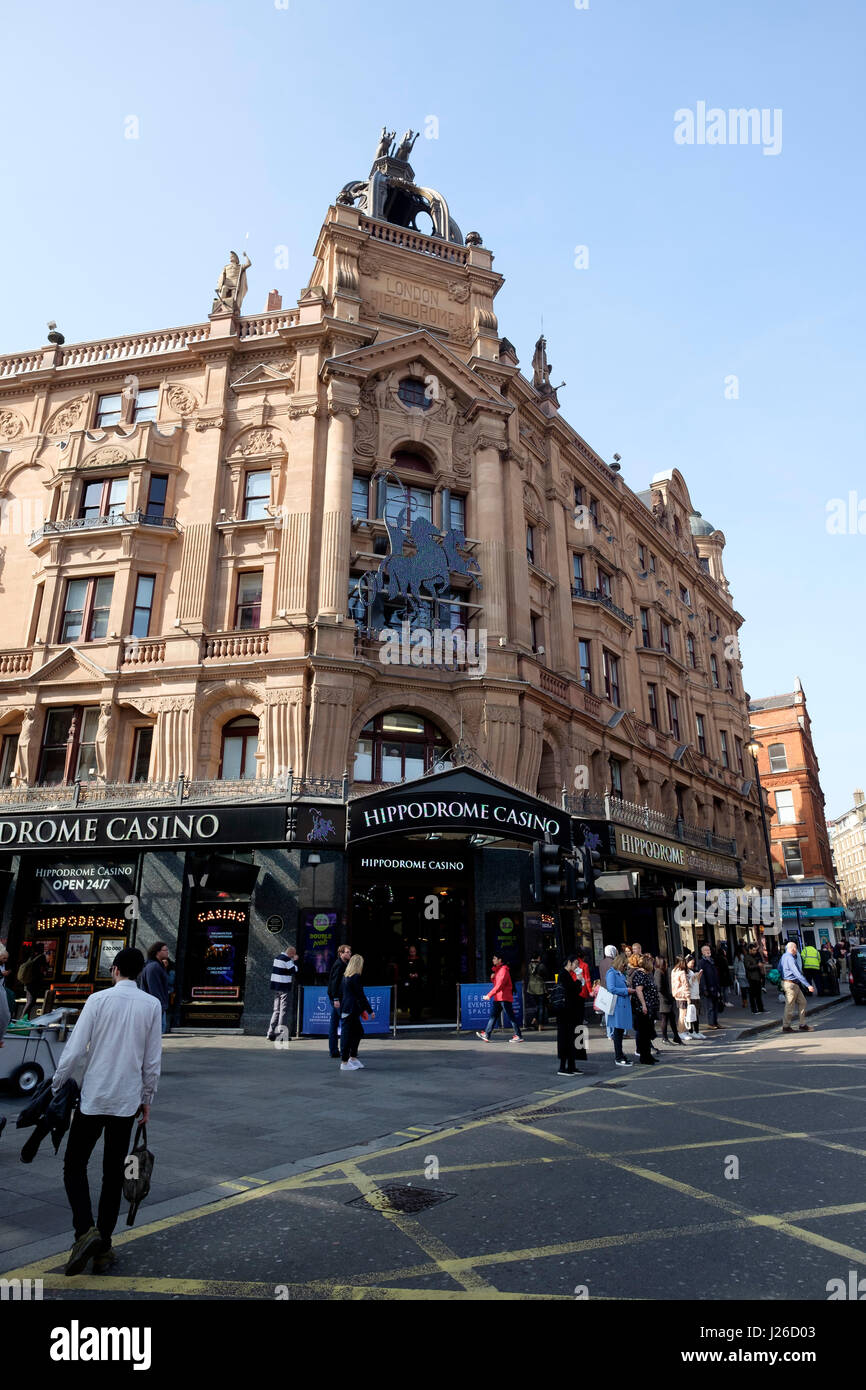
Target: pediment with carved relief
[69, 667]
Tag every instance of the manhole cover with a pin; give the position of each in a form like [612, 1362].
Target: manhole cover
[608, 1085]
[394, 1197]
[529, 1117]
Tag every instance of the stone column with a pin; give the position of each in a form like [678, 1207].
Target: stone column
[284, 732]
[531, 731]
[172, 750]
[293, 595]
[337, 507]
[490, 527]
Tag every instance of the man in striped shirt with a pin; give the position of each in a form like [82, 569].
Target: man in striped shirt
[283, 974]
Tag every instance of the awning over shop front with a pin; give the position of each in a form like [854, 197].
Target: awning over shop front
[459, 800]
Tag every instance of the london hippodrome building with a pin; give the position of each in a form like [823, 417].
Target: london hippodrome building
[314, 620]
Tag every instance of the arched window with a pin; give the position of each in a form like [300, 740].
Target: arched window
[239, 743]
[398, 745]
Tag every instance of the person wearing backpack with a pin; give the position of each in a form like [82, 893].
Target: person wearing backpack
[565, 999]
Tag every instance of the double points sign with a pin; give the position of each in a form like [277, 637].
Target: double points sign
[459, 800]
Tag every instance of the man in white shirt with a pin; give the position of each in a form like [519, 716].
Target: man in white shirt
[114, 1054]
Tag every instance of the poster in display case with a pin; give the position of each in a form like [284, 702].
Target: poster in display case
[109, 948]
[76, 960]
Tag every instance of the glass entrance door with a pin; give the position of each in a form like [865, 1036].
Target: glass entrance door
[418, 939]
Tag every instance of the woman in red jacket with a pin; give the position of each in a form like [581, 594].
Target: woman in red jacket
[500, 996]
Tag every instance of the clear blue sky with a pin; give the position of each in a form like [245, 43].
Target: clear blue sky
[556, 130]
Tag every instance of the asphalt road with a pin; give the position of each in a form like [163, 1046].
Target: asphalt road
[729, 1171]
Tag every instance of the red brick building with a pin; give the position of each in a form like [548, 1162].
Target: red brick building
[800, 844]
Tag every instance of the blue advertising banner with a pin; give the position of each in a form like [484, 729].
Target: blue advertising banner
[317, 1011]
[475, 1009]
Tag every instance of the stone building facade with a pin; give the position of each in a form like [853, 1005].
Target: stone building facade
[194, 527]
[847, 835]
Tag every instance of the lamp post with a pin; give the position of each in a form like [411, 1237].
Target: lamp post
[753, 747]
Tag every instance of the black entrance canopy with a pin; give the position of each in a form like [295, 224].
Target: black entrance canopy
[459, 800]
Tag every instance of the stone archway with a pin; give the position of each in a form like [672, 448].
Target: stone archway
[212, 713]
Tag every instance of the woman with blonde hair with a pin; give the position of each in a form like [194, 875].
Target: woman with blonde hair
[620, 1019]
[355, 1007]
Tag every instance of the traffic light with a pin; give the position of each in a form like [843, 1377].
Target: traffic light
[587, 867]
[545, 872]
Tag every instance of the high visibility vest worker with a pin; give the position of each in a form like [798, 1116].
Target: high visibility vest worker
[811, 958]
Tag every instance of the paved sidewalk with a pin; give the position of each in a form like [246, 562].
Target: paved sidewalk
[230, 1107]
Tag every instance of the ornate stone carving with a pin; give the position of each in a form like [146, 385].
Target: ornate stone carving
[214, 424]
[368, 309]
[181, 400]
[343, 408]
[487, 441]
[292, 696]
[67, 417]
[261, 441]
[11, 424]
[369, 264]
[459, 292]
[108, 457]
[366, 432]
[297, 411]
[485, 321]
[461, 451]
[347, 275]
[462, 335]
[232, 285]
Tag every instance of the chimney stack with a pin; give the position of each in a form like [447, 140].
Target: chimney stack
[275, 302]
[858, 797]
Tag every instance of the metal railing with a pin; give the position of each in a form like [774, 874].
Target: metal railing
[599, 596]
[113, 520]
[614, 808]
[286, 787]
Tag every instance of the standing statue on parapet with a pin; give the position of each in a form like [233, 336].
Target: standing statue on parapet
[386, 140]
[232, 287]
[404, 149]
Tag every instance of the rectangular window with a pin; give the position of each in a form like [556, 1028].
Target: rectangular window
[103, 497]
[685, 596]
[611, 677]
[457, 514]
[778, 757]
[156, 494]
[793, 858]
[86, 610]
[363, 771]
[738, 751]
[585, 665]
[360, 503]
[604, 583]
[593, 509]
[704, 564]
[257, 494]
[641, 556]
[674, 714]
[729, 679]
[578, 494]
[8, 752]
[714, 672]
[141, 749]
[616, 776]
[69, 745]
[653, 703]
[530, 544]
[723, 744]
[143, 605]
[646, 635]
[146, 403]
[577, 561]
[785, 807]
[702, 735]
[535, 632]
[666, 637]
[109, 410]
[690, 648]
[652, 565]
[248, 608]
[420, 503]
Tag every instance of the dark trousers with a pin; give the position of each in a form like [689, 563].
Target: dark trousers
[83, 1135]
[536, 1005]
[618, 1035]
[711, 1003]
[497, 1009]
[643, 1035]
[814, 978]
[353, 1032]
[669, 1020]
[756, 997]
[565, 1050]
[333, 1044]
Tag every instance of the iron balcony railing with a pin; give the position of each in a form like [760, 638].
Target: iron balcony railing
[599, 596]
[197, 792]
[614, 808]
[103, 523]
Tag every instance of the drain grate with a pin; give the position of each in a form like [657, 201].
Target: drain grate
[396, 1197]
[529, 1117]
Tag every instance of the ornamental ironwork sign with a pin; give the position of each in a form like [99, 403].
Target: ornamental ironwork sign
[416, 576]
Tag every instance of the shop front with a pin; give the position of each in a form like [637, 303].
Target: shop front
[219, 884]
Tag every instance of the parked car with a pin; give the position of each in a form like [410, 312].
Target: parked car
[857, 974]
